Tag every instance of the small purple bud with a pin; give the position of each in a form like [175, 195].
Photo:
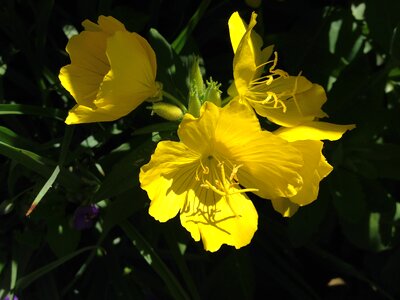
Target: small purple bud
[84, 216]
[8, 297]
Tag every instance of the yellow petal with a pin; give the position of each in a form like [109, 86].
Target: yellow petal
[237, 28]
[290, 85]
[108, 25]
[131, 79]
[269, 163]
[284, 206]
[198, 133]
[89, 64]
[219, 221]
[233, 133]
[83, 114]
[314, 131]
[304, 103]
[245, 60]
[169, 179]
[274, 172]
[315, 168]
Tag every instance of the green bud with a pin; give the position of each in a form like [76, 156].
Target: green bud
[213, 93]
[167, 111]
[194, 103]
[196, 79]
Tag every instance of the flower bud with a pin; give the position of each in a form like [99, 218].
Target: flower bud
[196, 79]
[213, 93]
[167, 111]
[194, 103]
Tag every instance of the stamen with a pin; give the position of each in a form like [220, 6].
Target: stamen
[293, 94]
[278, 72]
[223, 185]
[275, 62]
[204, 171]
[259, 92]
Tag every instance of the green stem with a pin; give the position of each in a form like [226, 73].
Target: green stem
[226, 101]
[175, 101]
[69, 131]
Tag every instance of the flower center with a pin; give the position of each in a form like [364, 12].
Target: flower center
[260, 91]
[212, 174]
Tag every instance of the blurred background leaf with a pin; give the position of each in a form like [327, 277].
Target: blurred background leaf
[345, 245]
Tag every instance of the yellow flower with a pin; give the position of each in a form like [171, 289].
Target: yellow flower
[220, 156]
[112, 71]
[307, 139]
[283, 99]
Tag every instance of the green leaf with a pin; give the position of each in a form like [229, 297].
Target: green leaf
[306, 222]
[171, 69]
[44, 190]
[375, 228]
[382, 17]
[124, 174]
[157, 127]
[11, 138]
[36, 163]
[182, 38]
[386, 159]
[27, 158]
[365, 233]
[125, 205]
[155, 262]
[232, 277]
[26, 280]
[346, 268]
[347, 195]
[23, 109]
[395, 45]
[61, 238]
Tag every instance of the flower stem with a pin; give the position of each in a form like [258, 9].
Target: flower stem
[226, 101]
[175, 101]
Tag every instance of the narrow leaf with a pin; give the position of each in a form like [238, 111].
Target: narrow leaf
[44, 190]
[155, 262]
[25, 281]
[22, 109]
[182, 38]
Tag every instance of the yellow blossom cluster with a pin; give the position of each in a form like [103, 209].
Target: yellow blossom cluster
[223, 154]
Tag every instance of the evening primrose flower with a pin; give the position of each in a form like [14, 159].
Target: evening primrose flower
[283, 99]
[221, 155]
[112, 71]
[307, 139]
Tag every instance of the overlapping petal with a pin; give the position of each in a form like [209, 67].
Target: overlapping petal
[303, 101]
[112, 71]
[314, 131]
[234, 132]
[285, 207]
[220, 156]
[307, 139]
[170, 181]
[283, 99]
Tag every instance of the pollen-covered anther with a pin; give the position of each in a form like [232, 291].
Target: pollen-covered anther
[274, 71]
[204, 171]
[273, 98]
[223, 185]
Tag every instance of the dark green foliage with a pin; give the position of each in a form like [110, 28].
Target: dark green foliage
[352, 232]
